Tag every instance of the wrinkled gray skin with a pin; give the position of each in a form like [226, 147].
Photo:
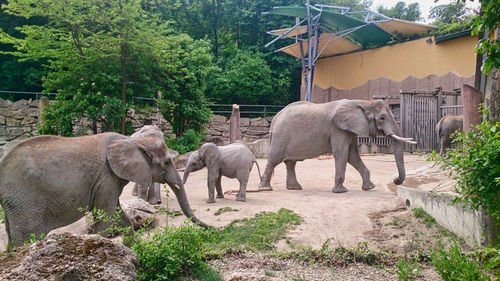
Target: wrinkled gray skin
[445, 128]
[305, 130]
[233, 161]
[46, 181]
[150, 194]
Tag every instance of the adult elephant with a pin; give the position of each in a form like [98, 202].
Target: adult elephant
[46, 181]
[304, 130]
[445, 128]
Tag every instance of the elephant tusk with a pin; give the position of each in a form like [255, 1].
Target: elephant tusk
[177, 186]
[406, 140]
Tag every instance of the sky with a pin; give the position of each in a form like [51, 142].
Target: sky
[425, 5]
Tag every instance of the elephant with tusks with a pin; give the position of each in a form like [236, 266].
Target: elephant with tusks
[304, 130]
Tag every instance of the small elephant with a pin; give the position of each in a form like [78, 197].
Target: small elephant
[150, 194]
[448, 125]
[46, 181]
[233, 161]
[304, 130]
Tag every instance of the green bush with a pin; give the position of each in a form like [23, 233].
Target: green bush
[189, 141]
[408, 270]
[173, 252]
[2, 215]
[475, 163]
[453, 265]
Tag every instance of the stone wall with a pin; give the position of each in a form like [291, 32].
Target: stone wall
[251, 129]
[18, 120]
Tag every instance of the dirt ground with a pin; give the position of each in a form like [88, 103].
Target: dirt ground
[377, 216]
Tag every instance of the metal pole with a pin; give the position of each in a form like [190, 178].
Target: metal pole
[309, 53]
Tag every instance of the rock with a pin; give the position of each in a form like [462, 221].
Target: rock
[70, 257]
[269, 119]
[6, 112]
[212, 132]
[4, 149]
[27, 129]
[34, 104]
[28, 120]
[259, 122]
[2, 120]
[33, 112]
[260, 148]
[12, 122]
[3, 131]
[139, 211]
[244, 122]
[220, 127]
[182, 161]
[217, 119]
[257, 131]
[19, 115]
[20, 104]
[5, 103]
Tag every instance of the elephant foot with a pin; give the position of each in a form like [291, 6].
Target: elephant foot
[339, 189]
[265, 187]
[158, 202]
[367, 186]
[242, 199]
[220, 196]
[211, 200]
[295, 186]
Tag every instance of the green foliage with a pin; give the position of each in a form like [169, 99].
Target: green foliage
[190, 140]
[220, 211]
[33, 238]
[490, 257]
[420, 213]
[408, 270]
[453, 265]
[488, 22]
[447, 13]
[173, 252]
[475, 163]
[402, 11]
[2, 215]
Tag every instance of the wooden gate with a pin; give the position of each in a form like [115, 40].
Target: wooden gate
[420, 112]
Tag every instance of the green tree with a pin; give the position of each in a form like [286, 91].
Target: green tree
[447, 13]
[488, 22]
[402, 11]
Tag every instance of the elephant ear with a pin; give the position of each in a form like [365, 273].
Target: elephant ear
[209, 154]
[353, 118]
[130, 160]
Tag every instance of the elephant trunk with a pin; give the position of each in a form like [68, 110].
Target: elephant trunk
[186, 174]
[180, 193]
[399, 157]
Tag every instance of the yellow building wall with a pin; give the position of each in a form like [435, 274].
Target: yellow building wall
[414, 58]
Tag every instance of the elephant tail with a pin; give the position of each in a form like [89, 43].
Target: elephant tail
[438, 127]
[258, 169]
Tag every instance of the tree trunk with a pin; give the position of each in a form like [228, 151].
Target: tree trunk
[492, 95]
[123, 56]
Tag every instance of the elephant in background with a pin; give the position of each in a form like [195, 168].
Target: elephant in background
[304, 130]
[46, 181]
[448, 125]
[151, 194]
[233, 161]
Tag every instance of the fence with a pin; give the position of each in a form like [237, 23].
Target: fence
[247, 110]
[420, 112]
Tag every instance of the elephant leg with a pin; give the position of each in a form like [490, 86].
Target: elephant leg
[154, 195]
[341, 157]
[265, 183]
[358, 164]
[243, 180]
[135, 190]
[291, 177]
[218, 187]
[213, 175]
[143, 192]
[109, 203]
[441, 149]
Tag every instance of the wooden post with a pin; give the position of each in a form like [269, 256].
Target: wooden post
[42, 103]
[439, 92]
[234, 124]
[471, 99]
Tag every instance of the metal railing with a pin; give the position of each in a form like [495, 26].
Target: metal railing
[247, 110]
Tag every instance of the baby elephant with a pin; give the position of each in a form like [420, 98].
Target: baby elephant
[233, 161]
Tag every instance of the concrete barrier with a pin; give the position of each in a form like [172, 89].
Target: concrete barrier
[474, 227]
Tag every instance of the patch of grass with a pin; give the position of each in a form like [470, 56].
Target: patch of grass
[270, 273]
[395, 222]
[330, 257]
[174, 252]
[421, 214]
[452, 264]
[224, 210]
[2, 215]
[407, 271]
[299, 278]
[168, 212]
